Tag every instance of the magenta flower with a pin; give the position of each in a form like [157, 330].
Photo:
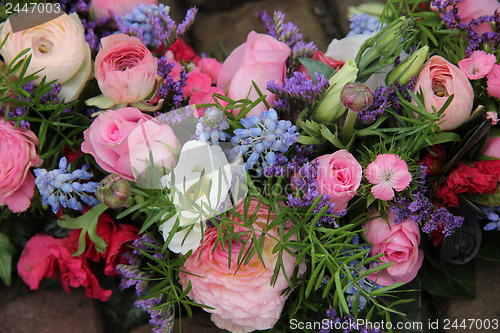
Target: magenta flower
[478, 65]
[388, 173]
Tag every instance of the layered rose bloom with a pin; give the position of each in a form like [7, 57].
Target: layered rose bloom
[242, 296]
[125, 69]
[58, 48]
[438, 80]
[104, 8]
[399, 245]
[121, 141]
[339, 177]
[261, 59]
[18, 151]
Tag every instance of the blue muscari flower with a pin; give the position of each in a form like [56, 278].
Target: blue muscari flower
[493, 216]
[60, 187]
[263, 137]
[212, 125]
[363, 24]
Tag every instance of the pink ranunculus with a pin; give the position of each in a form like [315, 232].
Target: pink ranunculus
[46, 256]
[388, 173]
[104, 8]
[18, 151]
[438, 80]
[493, 80]
[125, 69]
[242, 298]
[339, 177]
[261, 59]
[478, 65]
[400, 243]
[121, 140]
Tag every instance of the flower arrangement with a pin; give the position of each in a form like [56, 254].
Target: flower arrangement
[275, 186]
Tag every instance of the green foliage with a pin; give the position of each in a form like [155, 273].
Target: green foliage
[6, 252]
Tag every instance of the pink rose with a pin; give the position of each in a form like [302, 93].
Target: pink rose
[243, 298]
[104, 8]
[473, 9]
[399, 243]
[339, 176]
[18, 151]
[125, 69]
[261, 59]
[439, 79]
[121, 140]
[493, 80]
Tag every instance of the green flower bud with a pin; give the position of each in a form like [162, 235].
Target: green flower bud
[114, 191]
[356, 96]
[330, 108]
[409, 67]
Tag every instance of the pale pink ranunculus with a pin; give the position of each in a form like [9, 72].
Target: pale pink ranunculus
[18, 151]
[125, 69]
[121, 140]
[58, 49]
[242, 297]
[388, 173]
[399, 243]
[261, 59]
[493, 80]
[478, 64]
[104, 8]
[438, 80]
[339, 177]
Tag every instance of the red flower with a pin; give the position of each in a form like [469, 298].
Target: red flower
[115, 239]
[434, 160]
[183, 52]
[46, 256]
[320, 56]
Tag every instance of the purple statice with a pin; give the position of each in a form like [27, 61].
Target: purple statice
[171, 89]
[153, 25]
[145, 243]
[60, 187]
[161, 320]
[97, 29]
[71, 6]
[443, 219]
[211, 126]
[492, 217]
[262, 138]
[305, 180]
[363, 24]
[386, 97]
[132, 276]
[298, 92]
[285, 168]
[177, 116]
[449, 12]
[289, 34]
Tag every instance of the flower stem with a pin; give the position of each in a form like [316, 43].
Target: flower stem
[349, 126]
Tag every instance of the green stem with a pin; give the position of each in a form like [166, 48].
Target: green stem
[349, 126]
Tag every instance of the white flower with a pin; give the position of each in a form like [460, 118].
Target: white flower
[199, 186]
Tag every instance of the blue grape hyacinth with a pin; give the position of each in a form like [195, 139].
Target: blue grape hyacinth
[211, 126]
[263, 137]
[60, 187]
[363, 24]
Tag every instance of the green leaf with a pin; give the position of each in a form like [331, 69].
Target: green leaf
[450, 281]
[88, 223]
[6, 252]
[315, 66]
[490, 246]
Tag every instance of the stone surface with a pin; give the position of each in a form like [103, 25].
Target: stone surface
[232, 27]
[48, 311]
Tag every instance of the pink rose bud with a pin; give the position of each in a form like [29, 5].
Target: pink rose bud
[114, 191]
[356, 96]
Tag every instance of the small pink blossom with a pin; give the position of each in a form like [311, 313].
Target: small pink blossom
[478, 65]
[206, 96]
[197, 82]
[494, 81]
[388, 172]
[211, 67]
[493, 116]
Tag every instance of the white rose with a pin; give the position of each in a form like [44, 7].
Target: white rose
[58, 48]
[199, 185]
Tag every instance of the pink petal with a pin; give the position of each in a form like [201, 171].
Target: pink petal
[478, 65]
[383, 191]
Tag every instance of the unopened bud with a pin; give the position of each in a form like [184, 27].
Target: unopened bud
[356, 96]
[409, 67]
[114, 191]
